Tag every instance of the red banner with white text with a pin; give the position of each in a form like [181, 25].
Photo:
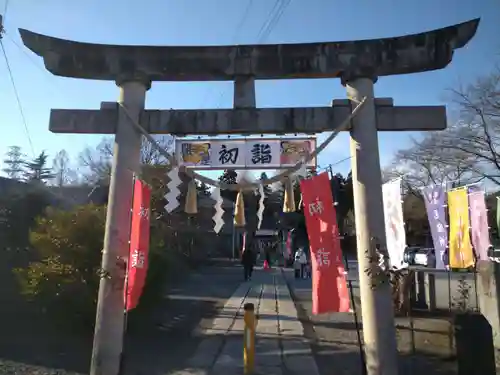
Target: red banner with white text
[139, 244]
[329, 293]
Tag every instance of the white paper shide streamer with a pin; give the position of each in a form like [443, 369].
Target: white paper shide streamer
[394, 224]
[260, 211]
[219, 211]
[173, 190]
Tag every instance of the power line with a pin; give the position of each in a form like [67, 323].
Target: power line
[274, 21]
[340, 161]
[329, 166]
[5, 8]
[21, 110]
[270, 16]
[11, 76]
[33, 61]
[267, 27]
[243, 18]
[16, 93]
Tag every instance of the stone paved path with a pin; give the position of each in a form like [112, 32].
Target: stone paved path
[281, 348]
[334, 342]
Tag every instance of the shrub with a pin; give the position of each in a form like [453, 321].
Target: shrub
[18, 211]
[64, 281]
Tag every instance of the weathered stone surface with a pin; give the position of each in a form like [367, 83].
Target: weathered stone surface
[301, 365]
[279, 346]
[229, 313]
[206, 353]
[247, 121]
[487, 290]
[269, 370]
[379, 57]
[192, 371]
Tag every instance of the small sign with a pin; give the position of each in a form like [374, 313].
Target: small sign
[254, 153]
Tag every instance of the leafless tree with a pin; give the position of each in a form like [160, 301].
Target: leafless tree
[96, 162]
[425, 163]
[61, 168]
[477, 133]
[467, 151]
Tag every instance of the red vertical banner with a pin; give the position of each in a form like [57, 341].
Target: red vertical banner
[139, 244]
[329, 292]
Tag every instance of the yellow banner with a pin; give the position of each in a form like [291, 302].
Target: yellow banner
[461, 255]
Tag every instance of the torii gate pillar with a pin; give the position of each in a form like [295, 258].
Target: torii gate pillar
[377, 311]
[126, 162]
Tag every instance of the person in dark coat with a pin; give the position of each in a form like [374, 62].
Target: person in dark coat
[267, 255]
[248, 260]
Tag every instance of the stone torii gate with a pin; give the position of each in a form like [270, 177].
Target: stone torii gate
[357, 63]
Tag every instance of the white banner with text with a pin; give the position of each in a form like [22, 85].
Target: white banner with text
[249, 153]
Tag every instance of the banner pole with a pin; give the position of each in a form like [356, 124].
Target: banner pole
[125, 323]
[475, 250]
[125, 299]
[353, 303]
[412, 322]
[356, 320]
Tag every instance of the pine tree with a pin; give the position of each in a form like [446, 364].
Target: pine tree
[267, 188]
[14, 163]
[37, 170]
[342, 194]
[229, 176]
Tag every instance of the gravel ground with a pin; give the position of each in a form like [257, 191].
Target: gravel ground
[160, 345]
[335, 343]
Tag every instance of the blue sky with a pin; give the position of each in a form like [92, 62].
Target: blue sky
[200, 22]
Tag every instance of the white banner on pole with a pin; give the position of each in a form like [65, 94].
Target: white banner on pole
[394, 223]
[249, 153]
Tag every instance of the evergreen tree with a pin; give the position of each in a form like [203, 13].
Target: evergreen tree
[37, 170]
[229, 176]
[14, 163]
[267, 188]
[343, 195]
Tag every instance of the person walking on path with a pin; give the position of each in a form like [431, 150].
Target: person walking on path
[301, 263]
[248, 260]
[267, 260]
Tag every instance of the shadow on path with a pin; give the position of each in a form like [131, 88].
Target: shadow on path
[159, 343]
[334, 342]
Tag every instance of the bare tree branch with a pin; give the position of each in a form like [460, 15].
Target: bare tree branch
[61, 169]
[477, 134]
[467, 151]
[427, 163]
[96, 162]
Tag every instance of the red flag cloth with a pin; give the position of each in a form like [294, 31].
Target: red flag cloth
[329, 293]
[139, 244]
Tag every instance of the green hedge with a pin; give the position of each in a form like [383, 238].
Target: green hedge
[64, 281]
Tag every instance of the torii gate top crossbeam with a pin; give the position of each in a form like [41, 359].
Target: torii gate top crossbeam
[378, 57]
